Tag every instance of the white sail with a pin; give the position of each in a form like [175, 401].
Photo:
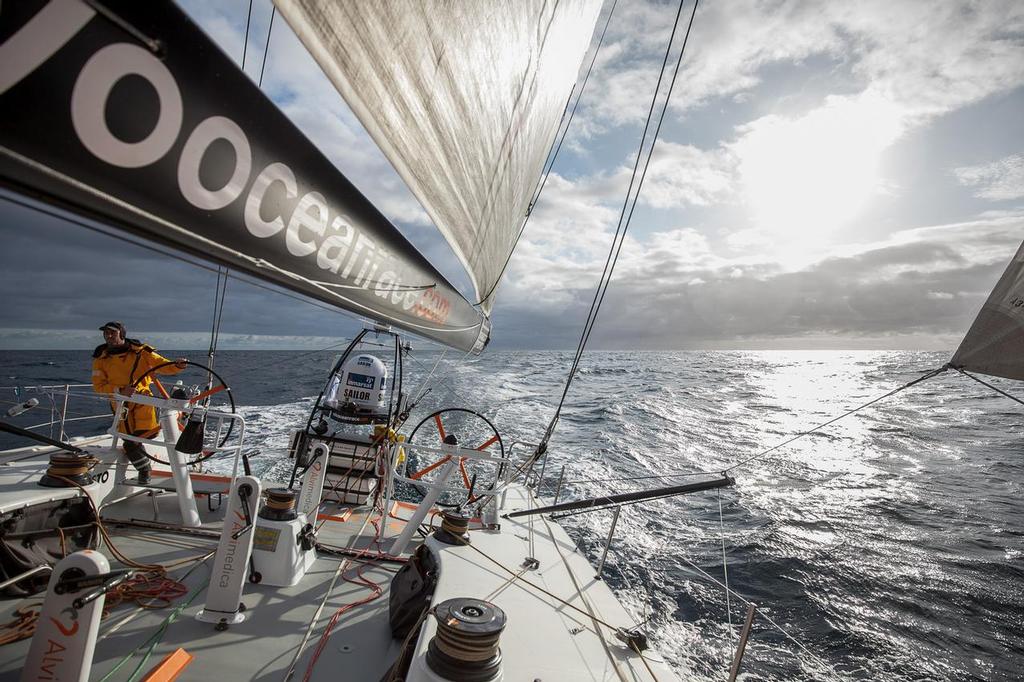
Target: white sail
[995, 342]
[464, 97]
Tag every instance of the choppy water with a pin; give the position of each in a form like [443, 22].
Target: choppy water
[890, 545]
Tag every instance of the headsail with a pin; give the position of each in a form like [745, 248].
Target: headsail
[464, 98]
[995, 342]
[156, 131]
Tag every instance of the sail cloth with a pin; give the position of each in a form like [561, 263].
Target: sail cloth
[995, 342]
[154, 130]
[464, 97]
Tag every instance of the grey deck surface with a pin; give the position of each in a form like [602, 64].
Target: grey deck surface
[544, 639]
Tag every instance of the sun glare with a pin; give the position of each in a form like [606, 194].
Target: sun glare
[805, 177]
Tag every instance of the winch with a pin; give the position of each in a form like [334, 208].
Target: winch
[284, 541]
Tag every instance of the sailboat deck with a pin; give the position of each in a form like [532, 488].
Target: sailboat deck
[547, 637]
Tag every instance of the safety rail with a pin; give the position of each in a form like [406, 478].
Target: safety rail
[59, 396]
[451, 456]
[178, 405]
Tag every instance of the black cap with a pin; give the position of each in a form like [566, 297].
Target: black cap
[114, 325]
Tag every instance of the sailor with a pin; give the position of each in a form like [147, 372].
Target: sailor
[117, 365]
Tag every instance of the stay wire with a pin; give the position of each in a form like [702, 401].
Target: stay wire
[554, 155]
[800, 645]
[643, 175]
[925, 376]
[248, 23]
[266, 48]
[624, 219]
[725, 566]
[985, 383]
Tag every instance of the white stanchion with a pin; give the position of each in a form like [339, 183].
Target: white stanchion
[179, 471]
[434, 491]
[231, 563]
[65, 638]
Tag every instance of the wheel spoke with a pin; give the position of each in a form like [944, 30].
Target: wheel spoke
[422, 472]
[490, 441]
[440, 427]
[206, 394]
[462, 468]
[160, 387]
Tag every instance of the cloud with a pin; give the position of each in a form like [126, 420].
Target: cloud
[672, 290]
[1001, 180]
[926, 58]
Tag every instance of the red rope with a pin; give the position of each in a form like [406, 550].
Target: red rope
[375, 591]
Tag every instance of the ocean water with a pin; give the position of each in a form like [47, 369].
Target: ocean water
[888, 546]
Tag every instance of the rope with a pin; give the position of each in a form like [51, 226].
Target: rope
[158, 635]
[245, 44]
[626, 214]
[540, 589]
[544, 177]
[266, 48]
[725, 565]
[219, 295]
[985, 383]
[375, 591]
[764, 615]
[925, 376]
[151, 44]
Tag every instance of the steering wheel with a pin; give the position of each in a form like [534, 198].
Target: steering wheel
[222, 386]
[475, 475]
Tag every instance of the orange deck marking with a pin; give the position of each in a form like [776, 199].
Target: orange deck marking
[169, 668]
[330, 517]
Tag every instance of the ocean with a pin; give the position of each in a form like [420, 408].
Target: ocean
[887, 546]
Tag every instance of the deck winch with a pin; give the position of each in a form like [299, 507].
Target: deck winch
[284, 541]
[68, 469]
[465, 647]
[454, 528]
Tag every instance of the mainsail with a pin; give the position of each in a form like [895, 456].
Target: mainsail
[464, 98]
[995, 342]
[134, 117]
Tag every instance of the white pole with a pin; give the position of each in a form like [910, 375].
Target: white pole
[179, 470]
[433, 492]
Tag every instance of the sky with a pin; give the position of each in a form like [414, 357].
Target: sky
[829, 175]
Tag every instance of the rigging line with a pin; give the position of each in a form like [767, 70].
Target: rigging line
[985, 383]
[643, 176]
[623, 224]
[376, 284]
[925, 376]
[245, 45]
[218, 312]
[266, 48]
[820, 661]
[551, 164]
[421, 389]
[725, 566]
[153, 45]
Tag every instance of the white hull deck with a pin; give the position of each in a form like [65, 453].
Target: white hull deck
[555, 636]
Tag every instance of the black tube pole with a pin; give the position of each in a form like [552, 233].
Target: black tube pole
[25, 433]
[621, 498]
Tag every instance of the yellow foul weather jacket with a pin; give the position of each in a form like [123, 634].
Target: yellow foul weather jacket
[113, 371]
